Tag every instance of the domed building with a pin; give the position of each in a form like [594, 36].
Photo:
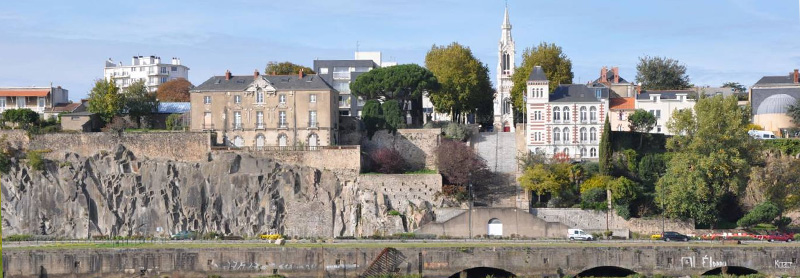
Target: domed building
[770, 99]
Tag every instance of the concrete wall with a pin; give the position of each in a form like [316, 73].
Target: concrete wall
[182, 146]
[515, 222]
[598, 221]
[403, 189]
[534, 260]
[418, 146]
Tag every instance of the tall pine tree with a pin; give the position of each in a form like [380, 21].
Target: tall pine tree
[605, 149]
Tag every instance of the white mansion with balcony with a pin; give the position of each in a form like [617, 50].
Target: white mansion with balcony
[150, 69]
[569, 121]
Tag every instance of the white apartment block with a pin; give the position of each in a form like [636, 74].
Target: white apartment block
[662, 104]
[150, 69]
[569, 121]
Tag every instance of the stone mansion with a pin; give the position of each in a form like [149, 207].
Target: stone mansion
[568, 121]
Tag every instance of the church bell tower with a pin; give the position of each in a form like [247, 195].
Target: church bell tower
[503, 107]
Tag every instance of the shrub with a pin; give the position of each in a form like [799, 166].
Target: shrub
[762, 213]
[456, 191]
[460, 165]
[35, 160]
[118, 125]
[393, 116]
[796, 237]
[394, 213]
[783, 222]
[174, 122]
[623, 210]
[457, 131]
[598, 181]
[388, 161]
[20, 237]
[372, 116]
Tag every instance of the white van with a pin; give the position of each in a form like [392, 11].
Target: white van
[578, 234]
[761, 134]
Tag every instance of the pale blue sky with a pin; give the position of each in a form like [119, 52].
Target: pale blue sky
[66, 42]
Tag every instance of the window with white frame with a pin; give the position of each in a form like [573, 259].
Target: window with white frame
[41, 102]
[282, 119]
[163, 69]
[237, 119]
[566, 152]
[312, 98]
[282, 140]
[566, 135]
[312, 118]
[259, 96]
[593, 134]
[323, 70]
[237, 99]
[21, 102]
[207, 100]
[260, 119]
[583, 152]
[593, 152]
[174, 68]
[566, 113]
[2, 102]
[282, 99]
[556, 135]
[584, 136]
[593, 114]
[556, 114]
[583, 114]
[163, 80]
[537, 115]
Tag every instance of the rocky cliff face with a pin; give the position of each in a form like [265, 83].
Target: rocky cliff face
[114, 193]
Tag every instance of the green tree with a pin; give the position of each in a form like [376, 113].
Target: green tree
[777, 182]
[286, 68]
[372, 115]
[605, 149]
[465, 84]
[642, 122]
[138, 102]
[738, 88]
[105, 100]
[557, 67]
[793, 112]
[624, 193]
[546, 178]
[711, 158]
[763, 213]
[651, 168]
[174, 122]
[661, 73]
[24, 118]
[393, 116]
[401, 83]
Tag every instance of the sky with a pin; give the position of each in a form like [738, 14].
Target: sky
[67, 42]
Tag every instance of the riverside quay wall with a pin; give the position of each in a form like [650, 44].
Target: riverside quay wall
[557, 260]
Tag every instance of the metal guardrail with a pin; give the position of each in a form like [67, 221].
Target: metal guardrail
[283, 148]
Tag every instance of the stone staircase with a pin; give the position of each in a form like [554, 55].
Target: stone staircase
[386, 264]
[499, 149]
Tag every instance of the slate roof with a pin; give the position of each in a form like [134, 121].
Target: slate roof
[622, 103]
[712, 91]
[781, 79]
[666, 94]
[280, 82]
[174, 107]
[760, 95]
[342, 63]
[65, 107]
[577, 93]
[537, 74]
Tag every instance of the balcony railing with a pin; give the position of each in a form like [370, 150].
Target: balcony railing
[341, 75]
[283, 125]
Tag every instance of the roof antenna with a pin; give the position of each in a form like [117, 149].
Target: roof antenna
[357, 45]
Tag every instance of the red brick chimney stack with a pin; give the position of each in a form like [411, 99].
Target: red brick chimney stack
[796, 76]
[616, 74]
[227, 75]
[301, 74]
[603, 75]
[255, 74]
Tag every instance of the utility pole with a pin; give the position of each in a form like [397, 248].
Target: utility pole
[471, 200]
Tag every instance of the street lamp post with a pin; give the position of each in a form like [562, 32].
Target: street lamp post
[471, 200]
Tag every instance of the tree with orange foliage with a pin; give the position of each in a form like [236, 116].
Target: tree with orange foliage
[176, 90]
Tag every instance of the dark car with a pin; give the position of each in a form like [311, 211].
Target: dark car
[674, 236]
[182, 235]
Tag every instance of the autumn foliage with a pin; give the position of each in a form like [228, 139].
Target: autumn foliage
[176, 90]
[388, 161]
[459, 164]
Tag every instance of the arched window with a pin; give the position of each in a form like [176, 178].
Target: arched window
[556, 114]
[555, 151]
[506, 106]
[238, 141]
[583, 114]
[566, 151]
[584, 136]
[593, 114]
[593, 152]
[282, 139]
[566, 113]
[260, 142]
[566, 135]
[593, 134]
[556, 134]
[583, 152]
[313, 141]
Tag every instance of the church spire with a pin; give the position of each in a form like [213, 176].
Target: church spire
[506, 21]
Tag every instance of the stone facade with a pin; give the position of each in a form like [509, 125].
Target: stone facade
[336, 158]
[418, 146]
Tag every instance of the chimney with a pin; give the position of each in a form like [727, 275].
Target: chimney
[616, 74]
[227, 75]
[301, 74]
[255, 74]
[638, 89]
[796, 76]
[603, 77]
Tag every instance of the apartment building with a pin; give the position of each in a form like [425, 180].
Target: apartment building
[340, 73]
[261, 111]
[150, 69]
[47, 101]
[662, 104]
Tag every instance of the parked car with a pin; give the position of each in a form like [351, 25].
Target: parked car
[578, 234]
[674, 236]
[761, 134]
[776, 237]
[183, 235]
